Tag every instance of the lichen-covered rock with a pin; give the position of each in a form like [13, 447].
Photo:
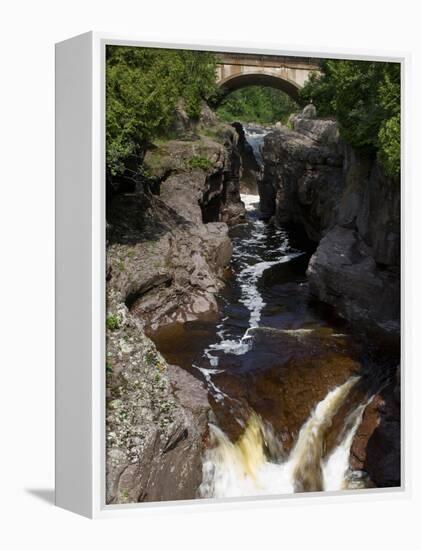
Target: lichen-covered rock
[155, 429]
[207, 117]
[159, 271]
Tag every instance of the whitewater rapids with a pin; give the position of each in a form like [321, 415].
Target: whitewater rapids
[251, 270]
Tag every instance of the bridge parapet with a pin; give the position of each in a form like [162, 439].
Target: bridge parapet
[265, 60]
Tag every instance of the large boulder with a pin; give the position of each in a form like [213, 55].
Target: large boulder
[343, 273]
[322, 130]
[183, 125]
[171, 276]
[207, 117]
[181, 122]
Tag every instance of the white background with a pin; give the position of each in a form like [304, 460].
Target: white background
[29, 30]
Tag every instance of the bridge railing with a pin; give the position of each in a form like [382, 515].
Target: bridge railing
[228, 58]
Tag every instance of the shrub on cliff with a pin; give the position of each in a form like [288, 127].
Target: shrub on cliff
[364, 96]
[143, 88]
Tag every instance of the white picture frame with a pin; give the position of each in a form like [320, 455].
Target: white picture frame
[80, 280]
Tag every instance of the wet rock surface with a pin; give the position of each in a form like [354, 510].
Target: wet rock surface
[251, 170]
[376, 448]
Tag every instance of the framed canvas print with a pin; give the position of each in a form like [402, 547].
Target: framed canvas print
[228, 309]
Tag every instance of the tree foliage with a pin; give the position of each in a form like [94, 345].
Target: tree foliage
[143, 88]
[257, 104]
[364, 96]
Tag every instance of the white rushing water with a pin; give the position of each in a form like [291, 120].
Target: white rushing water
[243, 469]
[248, 253]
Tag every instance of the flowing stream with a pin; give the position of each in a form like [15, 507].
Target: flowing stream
[283, 375]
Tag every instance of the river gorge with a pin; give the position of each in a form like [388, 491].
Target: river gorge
[253, 299]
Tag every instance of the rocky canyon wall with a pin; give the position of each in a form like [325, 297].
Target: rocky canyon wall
[167, 248]
[352, 210]
[347, 205]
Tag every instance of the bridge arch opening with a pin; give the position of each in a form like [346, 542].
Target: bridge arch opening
[236, 82]
[260, 103]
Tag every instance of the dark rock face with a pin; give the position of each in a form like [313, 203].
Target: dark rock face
[251, 171]
[302, 180]
[233, 210]
[372, 203]
[343, 273]
[383, 451]
[343, 200]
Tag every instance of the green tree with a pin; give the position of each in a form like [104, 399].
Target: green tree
[257, 104]
[143, 88]
[364, 96]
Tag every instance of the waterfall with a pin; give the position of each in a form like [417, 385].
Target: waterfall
[307, 454]
[255, 136]
[336, 473]
[254, 465]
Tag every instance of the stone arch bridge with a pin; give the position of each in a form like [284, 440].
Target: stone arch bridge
[289, 74]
